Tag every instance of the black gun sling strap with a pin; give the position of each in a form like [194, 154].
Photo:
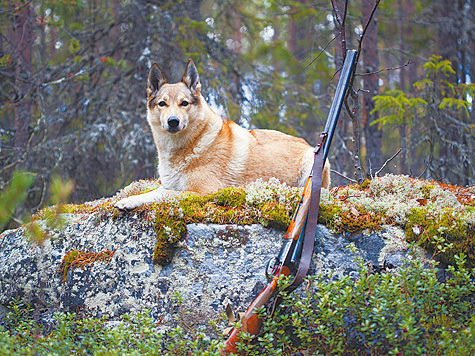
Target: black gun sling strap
[312, 214]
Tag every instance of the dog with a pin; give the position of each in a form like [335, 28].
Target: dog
[201, 152]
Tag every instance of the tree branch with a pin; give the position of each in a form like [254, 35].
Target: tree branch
[64, 79]
[15, 8]
[387, 161]
[337, 13]
[409, 62]
[322, 51]
[373, 11]
[341, 21]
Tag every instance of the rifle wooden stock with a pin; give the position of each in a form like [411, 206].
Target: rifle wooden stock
[251, 322]
[298, 219]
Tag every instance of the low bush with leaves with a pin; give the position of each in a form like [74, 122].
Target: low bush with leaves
[405, 313]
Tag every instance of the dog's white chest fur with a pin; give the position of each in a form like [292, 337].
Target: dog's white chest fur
[173, 172]
[171, 178]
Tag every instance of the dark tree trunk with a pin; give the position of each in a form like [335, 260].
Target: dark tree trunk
[340, 44]
[300, 36]
[454, 44]
[449, 33]
[402, 86]
[237, 34]
[22, 40]
[341, 162]
[373, 134]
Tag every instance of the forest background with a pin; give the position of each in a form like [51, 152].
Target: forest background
[73, 78]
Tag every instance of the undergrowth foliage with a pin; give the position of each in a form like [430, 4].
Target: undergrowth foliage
[406, 313]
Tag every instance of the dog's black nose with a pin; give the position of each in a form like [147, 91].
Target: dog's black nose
[173, 123]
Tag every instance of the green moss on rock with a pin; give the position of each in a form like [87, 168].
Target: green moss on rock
[228, 206]
[446, 232]
[438, 217]
[434, 215]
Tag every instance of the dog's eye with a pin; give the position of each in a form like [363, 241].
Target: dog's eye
[184, 103]
[162, 104]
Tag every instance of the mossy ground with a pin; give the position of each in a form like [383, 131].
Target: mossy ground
[437, 216]
[274, 209]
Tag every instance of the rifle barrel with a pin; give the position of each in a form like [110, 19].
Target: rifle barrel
[337, 101]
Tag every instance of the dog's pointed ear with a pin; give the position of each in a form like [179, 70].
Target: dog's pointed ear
[191, 78]
[156, 79]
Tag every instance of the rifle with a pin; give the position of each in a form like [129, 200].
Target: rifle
[300, 236]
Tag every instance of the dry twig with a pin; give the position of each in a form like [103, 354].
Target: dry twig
[387, 161]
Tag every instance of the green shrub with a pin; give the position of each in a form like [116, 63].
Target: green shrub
[406, 313]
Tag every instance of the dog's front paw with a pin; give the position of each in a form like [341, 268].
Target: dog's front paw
[129, 203]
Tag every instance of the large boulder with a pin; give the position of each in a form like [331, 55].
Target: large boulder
[100, 262]
[213, 266]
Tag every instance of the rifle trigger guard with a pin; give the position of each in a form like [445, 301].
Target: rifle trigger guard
[271, 268]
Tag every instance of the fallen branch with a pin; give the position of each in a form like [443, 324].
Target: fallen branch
[343, 176]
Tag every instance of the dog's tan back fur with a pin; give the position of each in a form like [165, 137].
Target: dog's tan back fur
[201, 152]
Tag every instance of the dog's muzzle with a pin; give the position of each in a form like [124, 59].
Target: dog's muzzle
[173, 124]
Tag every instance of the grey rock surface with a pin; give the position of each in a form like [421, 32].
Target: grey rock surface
[215, 265]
